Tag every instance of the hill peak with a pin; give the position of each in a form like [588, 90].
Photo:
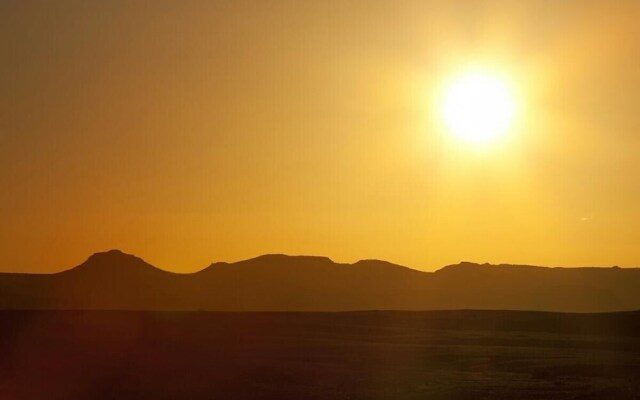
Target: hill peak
[113, 255]
[112, 252]
[274, 259]
[381, 265]
[465, 266]
[276, 256]
[111, 260]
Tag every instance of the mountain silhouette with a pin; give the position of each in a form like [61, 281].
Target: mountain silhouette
[276, 282]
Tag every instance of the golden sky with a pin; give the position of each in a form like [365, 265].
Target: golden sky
[189, 132]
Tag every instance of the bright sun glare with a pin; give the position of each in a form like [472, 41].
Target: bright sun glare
[478, 107]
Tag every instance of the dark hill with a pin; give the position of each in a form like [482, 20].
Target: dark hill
[115, 280]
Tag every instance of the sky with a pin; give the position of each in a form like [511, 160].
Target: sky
[188, 132]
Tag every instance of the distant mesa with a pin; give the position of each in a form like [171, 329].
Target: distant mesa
[274, 259]
[114, 256]
[112, 260]
[115, 253]
[278, 282]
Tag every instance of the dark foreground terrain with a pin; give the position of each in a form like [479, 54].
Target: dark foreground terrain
[361, 355]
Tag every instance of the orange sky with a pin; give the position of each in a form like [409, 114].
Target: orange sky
[189, 132]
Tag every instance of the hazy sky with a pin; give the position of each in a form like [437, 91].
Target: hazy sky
[189, 132]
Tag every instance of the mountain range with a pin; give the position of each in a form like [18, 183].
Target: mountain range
[115, 280]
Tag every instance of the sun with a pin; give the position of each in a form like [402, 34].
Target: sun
[478, 107]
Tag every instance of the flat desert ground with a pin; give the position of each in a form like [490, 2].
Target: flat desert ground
[352, 355]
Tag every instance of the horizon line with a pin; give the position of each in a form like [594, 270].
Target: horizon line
[486, 264]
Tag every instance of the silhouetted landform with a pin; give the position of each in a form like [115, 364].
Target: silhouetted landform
[114, 280]
[126, 355]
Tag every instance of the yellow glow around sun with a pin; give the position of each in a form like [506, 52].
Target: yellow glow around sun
[478, 107]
